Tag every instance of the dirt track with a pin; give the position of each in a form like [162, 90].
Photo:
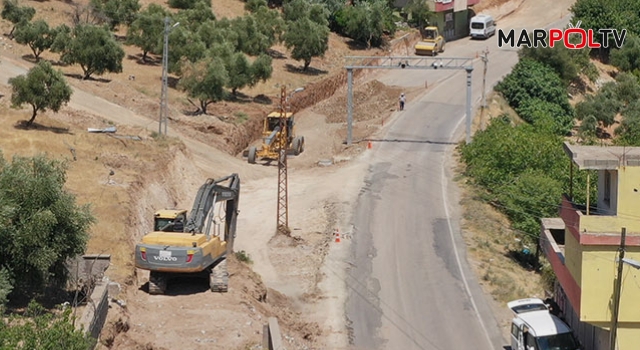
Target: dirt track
[307, 269]
[306, 282]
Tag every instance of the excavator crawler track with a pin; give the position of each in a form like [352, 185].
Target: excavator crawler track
[219, 277]
[157, 283]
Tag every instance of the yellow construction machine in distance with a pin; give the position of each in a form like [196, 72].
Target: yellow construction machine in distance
[273, 138]
[432, 42]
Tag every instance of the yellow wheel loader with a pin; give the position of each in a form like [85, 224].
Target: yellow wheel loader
[431, 44]
[274, 136]
[196, 244]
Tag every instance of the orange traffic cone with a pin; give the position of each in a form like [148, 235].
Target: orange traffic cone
[369, 145]
[337, 234]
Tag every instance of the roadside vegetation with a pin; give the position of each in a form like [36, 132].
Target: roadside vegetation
[42, 227]
[517, 164]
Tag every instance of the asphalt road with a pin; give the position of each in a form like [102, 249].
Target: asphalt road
[411, 286]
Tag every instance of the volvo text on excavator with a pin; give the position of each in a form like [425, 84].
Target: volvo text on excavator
[198, 246]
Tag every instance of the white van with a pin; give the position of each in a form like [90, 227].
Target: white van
[534, 328]
[482, 26]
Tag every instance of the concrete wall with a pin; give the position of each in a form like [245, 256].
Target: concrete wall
[573, 256]
[629, 195]
[599, 273]
[451, 25]
[591, 337]
[461, 23]
[610, 224]
[460, 5]
[624, 201]
[95, 313]
[595, 269]
[628, 336]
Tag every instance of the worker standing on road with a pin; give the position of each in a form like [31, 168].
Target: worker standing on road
[402, 101]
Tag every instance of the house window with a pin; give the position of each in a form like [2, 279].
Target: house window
[607, 188]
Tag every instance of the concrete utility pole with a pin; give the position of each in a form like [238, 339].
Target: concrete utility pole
[164, 109]
[349, 106]
[485, 60]
[469, 69]
[616, 293]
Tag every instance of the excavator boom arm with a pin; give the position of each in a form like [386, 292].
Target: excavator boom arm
[211, 192]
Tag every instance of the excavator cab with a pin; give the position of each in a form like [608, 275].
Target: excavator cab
[164, 220]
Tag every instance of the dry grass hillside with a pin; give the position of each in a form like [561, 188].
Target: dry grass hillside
[138, 86]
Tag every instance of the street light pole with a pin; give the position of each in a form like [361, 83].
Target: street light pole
[349, 106]
[469, 69]
[164, 110]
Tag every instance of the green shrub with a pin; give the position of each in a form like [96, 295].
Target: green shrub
[532, 83]
[531, 195]
[523, 170]
[244, 257]
[502, 152]
[538, 112]
[39, 329]
[567, 63]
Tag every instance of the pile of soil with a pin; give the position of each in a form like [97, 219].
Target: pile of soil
[372, 100]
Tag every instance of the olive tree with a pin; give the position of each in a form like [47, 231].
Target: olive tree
[37, 35]
[93, 47]
[43, 225]
[147, 29]
[204, 80]
[15, 14]
[42, 87]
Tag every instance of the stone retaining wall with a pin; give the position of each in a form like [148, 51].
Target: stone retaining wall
[95, 313]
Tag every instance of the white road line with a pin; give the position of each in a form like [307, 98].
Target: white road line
[445, 200]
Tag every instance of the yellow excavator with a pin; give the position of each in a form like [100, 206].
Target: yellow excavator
[196, 244]
[432, 42]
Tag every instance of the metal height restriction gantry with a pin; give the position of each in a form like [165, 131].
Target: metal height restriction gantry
[407, 62]
[404, 62]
